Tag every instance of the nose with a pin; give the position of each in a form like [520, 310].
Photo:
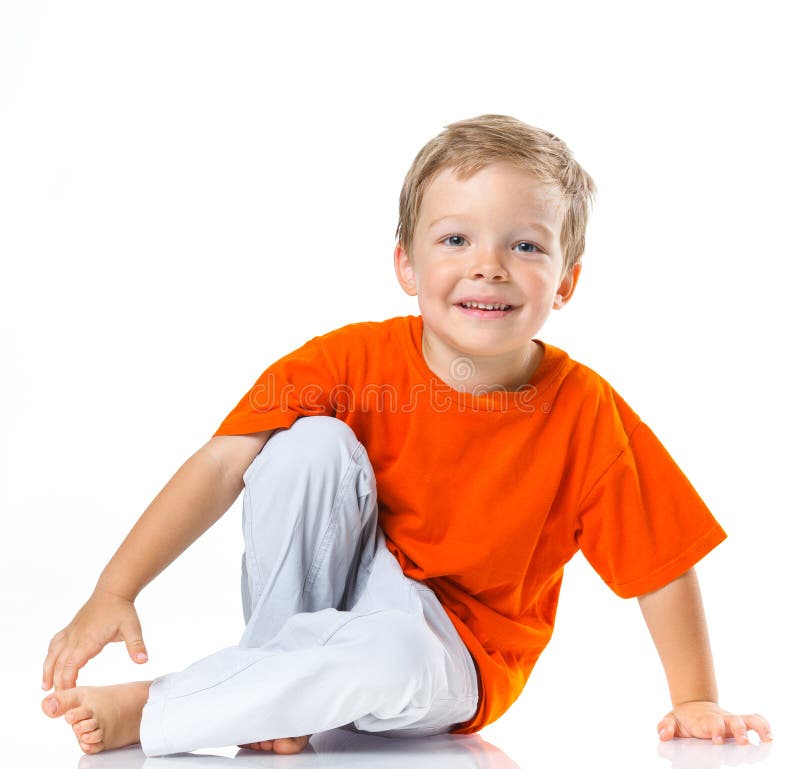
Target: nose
[488, 264]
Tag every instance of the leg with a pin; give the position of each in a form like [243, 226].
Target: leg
[310, 530]
[310, 526]
[403, 672]
[309, 522]
[440, 656]
[322, 671]
[382, 664]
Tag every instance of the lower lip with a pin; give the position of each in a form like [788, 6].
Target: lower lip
[489, 314]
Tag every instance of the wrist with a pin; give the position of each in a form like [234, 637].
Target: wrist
[688, 700]
[107, 587]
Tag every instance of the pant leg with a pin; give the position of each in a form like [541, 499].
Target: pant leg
[309, 522]
[453, 699]
[303, 665]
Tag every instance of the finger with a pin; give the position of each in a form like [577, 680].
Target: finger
[84, 651]
[70, 661]
[666, 728]
[737, 728]
[760, 725]
[65, 674]
[53, 651]
[47, 670]
[132, 633]
[717, 729]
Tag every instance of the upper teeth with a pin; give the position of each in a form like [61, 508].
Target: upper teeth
[483, 306]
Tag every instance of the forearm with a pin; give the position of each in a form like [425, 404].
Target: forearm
[676, 621]
[192, 501]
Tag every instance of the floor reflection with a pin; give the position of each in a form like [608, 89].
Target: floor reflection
[334, 749]
[344, 749]
[691, 753]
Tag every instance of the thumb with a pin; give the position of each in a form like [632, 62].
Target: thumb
[132, 634]
[666, 727]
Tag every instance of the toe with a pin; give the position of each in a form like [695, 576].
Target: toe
[77, 714]
[263, 745]
[290, 744]
[93, 737]
[58, 703]
[85, 726]
[95, 747]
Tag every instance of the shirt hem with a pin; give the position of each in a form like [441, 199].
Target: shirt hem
[271, 421]
[674, 568]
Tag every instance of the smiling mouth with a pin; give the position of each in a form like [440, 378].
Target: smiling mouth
[494, 306]
[477, 312]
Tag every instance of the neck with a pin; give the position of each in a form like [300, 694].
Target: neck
[484, 373]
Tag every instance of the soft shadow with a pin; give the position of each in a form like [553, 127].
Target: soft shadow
[334, 749]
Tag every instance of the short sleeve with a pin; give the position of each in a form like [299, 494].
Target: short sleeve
[298, 384]
[642, 524]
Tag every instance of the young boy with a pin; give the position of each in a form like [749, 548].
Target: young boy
[413, 490]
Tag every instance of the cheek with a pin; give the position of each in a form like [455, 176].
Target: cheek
[543, 284]
[432, 281]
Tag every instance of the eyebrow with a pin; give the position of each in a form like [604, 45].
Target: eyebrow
[533, 225]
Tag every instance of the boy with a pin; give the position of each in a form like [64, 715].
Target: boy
[413, 489]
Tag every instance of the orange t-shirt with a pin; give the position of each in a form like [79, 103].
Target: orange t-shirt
[485, 497]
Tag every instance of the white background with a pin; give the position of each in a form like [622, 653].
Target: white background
[190, 190]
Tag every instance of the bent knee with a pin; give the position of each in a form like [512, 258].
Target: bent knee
[322, 430]
[311, 442]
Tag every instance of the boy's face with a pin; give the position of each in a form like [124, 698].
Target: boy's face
[493, 236]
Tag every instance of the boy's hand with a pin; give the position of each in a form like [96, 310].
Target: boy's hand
[103, 618]
[707, 720]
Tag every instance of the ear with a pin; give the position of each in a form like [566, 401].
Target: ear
[567, 287]
[404, 270]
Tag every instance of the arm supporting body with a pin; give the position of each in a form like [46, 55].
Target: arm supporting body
[675, 618]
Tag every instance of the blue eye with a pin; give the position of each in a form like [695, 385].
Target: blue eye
[450, 237]
[532, 247]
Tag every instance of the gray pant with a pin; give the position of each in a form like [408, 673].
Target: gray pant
[336, 635]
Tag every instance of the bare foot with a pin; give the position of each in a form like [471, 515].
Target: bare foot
[280, 745]
[102, 717]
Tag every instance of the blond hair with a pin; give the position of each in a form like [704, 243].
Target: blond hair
[469, 145]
